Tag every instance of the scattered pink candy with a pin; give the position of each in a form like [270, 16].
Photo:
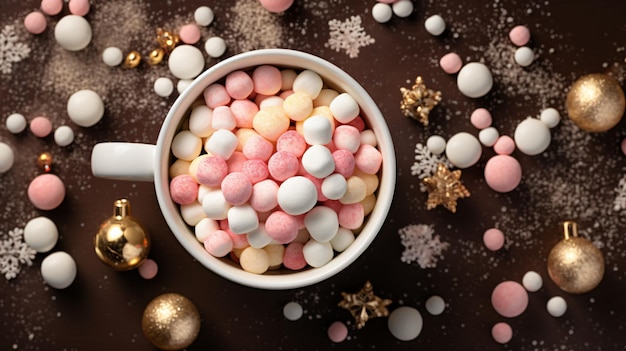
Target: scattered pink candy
[481, 118]
[505, 145]
[148, 269]
[51, 7]
[502, 333]
[493, 239]
[337, 332]
[189, 33]
[519, 35]
[503, 173]
[624, 146]
[451, 63]
[46, 191]
[41, 126]
[509, 299]
[79, 7]
[276, 5]
[35, 22]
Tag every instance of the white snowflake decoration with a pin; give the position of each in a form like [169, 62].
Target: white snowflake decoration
[420, 246]
[14, 252]
[426, 162]
[620, 199]
[10, 50]
[348, 36]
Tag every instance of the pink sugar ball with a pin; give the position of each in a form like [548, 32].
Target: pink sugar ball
[519, 35]
[212, 170]
[244, 110]
[267, 80]
[481, 118]
[35, 22]
[239, 84]
[258, 148]
[624, 146]
[218, 243]
[283, 165]
[79, 7]
[344, 162]
[236, 161]
[239, 241]
[236, 188]
[291, 141]
[505, 145]
[502, 333]
[276, 5]
[493, 239]
[51, 7]
[509, 299]
[183, 189]
[282, 227]
[351, 216]
[216, 95]
[41, 126]
[337, 332]
[293, 258]
[368, 159]
[264, 195]
[503, 173]
[189, 33]
[336, 205]
[451, 63]
[46, 191]
[255, 170]
[148, 269]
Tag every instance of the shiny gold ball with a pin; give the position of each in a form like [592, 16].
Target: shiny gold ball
[132, 60]
[595, 102]
[44, 161]
[171, 322]
[575, 264]
[156, 56]
[122, 242]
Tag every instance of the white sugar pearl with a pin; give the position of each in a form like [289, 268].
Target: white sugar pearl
[556, 306]
[203, 16]
[63, 136]
[334, 186]
[163, 86]
[532, 136]
[317, 130]
[16, 123]
[342, 240]
[382, 12]
[222, 143]
[318, 161]
[322, 223]
[85, 108]
[205, 227]
[474, 80]
[112, 56]
[317, 254]
[463, 150]
[185, 62]
[183, 84]
[200, 121]
[402, 8]
[215, 47]
[193, 213]
[524, 56]
[73, 33]
[186, 145]
[242, 219]
[308, 82]
[550, 117]
[58, 270]
[435, 305]
[258, 238]
[368, 138]
[436, 144]
[297, 195]
[488, 136]
[41, 234]
[292, 311]
[7, 157]
[344, 108]
[405, 323]
[435, 25]
[532, 281]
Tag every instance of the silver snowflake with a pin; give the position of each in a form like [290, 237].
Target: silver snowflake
[348, 35]
[14, 253]
[620, 199]
[10, 50]
[426, 162]
[421, 246]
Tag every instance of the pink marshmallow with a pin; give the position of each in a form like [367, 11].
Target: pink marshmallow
[451, 63]
[283, 165]
[357, 123]
[35, 22]
[281, 227]
[223, 118]
[267, 80]
[505, 145]
[293, 258]
[236, 188]
[519, 35]
[493, 238]
[46, 191]
[41, 126]
[368, 159]
[509, 299]
[503, 173]
[244, 110]
[347, 138]
[291, 141]
[211, 171]
[344, 162]
[218, 243]
[351, 216]
[51, 7]
[481, 118]
[239, 241]
[79, 7]
[264, 195]
[189, 33]
[239, 85]
[255, 170]
[216, 95]
[276, 6]
[258, 148]
[183, 189]
[236, 161]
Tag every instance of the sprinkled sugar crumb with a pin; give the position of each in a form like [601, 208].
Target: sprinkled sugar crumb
[421, 246]
[348, 35]
[251, 27]
[11, 51]
[14, 253]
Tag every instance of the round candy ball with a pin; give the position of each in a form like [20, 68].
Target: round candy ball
[189, 33]
[163, 86]
[524, 56]
[292, 311]
[276, 5]
[481, 118]
[41, 126]
[493, 239]
[595, 102]
[436, 144]
[46, 191]
[112, 56]
[382, 12]
[435, 305]
[51, 7]
[532, 136]
[85, 107]
[337, 332]
[58, 270]
[63, 136]
[79, 7]
[186, 62]
[502, 333]
[35, 22]
[7, 157]
[215, 47]
[405, 323]
[503, 173]
[509, 299]
[16, 123]
[519, 35]
[463, 150]
[171, 322]
[148, 269]
[451, 63]
[435, 25]
[203, 16]
[73, 33]
[474, 80]
[532, 281]
[550, 117]
[41, 234]
[402, 8]
[556, 306]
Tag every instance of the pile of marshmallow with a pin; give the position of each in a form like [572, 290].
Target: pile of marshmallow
[275, 169]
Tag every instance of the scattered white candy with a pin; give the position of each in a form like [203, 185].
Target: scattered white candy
[112, 56]
[436, 144]
[334, 186]
[292, 311]
[185, 62]
[242, 219]
[63, 136]
[435, 305]
[183, 84]
[215, 205]
[342, 240]
[186, 146]
[73, 33]
[532, 281]
[344, 108]
[316, 253]
[550, 117]
[463, 150]
[41, 234]
[488, 136]
[435, 25]
[297, 195]
[215, 47]
[16, 123]
[318, 161]
[7, 158]
[405, 323]
[85, 107]
[402, 8]
[317, 130]
[322, 223]
[308, 82]
[382, 12]
[58, 270]
[203, 16]
[556, 306]
[474, 80]
[532, 136]
[524, 56]
[163, 86]
[222, 143]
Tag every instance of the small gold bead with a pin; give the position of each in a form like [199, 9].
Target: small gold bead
[132, 60]
[166, 40]
[156, 56]
[44, 161]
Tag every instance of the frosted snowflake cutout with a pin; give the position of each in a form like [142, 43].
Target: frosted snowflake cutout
[348, 35]
[620, 199]
[14, 253]
[426, 162]
[10, 50]
[421, 245]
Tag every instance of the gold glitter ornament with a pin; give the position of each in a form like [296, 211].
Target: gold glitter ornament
[418, 101]
[156, 56]
[122, 242]
[364, 305]
[132, 60]
[595, 102]
[44, 161]
[171, 322]
[444, 188]
[575, 264]
[167, 41]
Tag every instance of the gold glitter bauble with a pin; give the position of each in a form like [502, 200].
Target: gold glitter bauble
[575, 264]
[132, 60]
[156, 56]
[171, 322]
[595, 102]
[121, 242]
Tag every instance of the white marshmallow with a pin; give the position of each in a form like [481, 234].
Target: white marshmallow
[344, 108]
[41, 234]
[342, 239]
[223, 118]
[317, 254]
[322, 223]
[222, 143]
[308, 82]
[205, 227]
[488, 136]
[242, 219]
[271, 101]
[297, 195]
[200, 121]
[318, 161]
[186, 145]
[215, 205]
[334, 186]
[317, 130]
[203, 189]
[258, 238]
[192, 213]
[368, 137]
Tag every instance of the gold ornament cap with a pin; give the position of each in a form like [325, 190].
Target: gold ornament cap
[595, 102]
[575, 264]
[171, 322]
[122, 242]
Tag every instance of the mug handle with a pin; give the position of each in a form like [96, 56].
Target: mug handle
[123, 161]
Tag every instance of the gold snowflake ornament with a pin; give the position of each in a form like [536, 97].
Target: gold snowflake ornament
[364, 305]
[444, 188]
[418, 101]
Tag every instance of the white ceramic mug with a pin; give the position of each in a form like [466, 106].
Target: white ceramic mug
[145, 162]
